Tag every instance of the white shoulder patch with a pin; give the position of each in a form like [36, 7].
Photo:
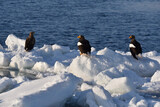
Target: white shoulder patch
[79, 44]
[131, 46]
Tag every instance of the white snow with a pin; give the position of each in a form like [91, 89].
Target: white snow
[106, 78]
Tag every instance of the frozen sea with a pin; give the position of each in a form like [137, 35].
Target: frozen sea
[105, 23]
[53, 74]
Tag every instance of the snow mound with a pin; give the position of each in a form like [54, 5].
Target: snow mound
[42, 92]
[14, 43]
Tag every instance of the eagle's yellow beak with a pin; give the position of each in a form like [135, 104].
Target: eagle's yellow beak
[79, 37]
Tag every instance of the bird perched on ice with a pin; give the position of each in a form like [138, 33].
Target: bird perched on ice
[135, 47]
[83, 45]
[30, 41]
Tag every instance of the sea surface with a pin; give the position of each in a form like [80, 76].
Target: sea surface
[105, 23]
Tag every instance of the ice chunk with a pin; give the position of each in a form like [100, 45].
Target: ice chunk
[50, 91]
[104, 77]
[138, 103]
[111, 56]
[103, 97]
[120, 86]
[132, 76]
[143, 67]
[85, 67]
[85, 86]
[4, 59]
[41, 66]
[1, 47]
[5, 83]
[20, 79]
[14, 43]
[151, 87]
[59, 67]
[21, 61]
[62, 49]
[157, 104]
[156, 76]
[90, 100]
[94, 97]
[150, 54]
[53, 53]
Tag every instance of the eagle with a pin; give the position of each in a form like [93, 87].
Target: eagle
[30, 42]
[83, 45]
[135, 47]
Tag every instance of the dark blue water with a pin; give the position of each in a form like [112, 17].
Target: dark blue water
[105, 23]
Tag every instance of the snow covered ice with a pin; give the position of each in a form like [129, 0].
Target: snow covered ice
[57, 76]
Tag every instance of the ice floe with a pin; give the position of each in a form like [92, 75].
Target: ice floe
[55, 75]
